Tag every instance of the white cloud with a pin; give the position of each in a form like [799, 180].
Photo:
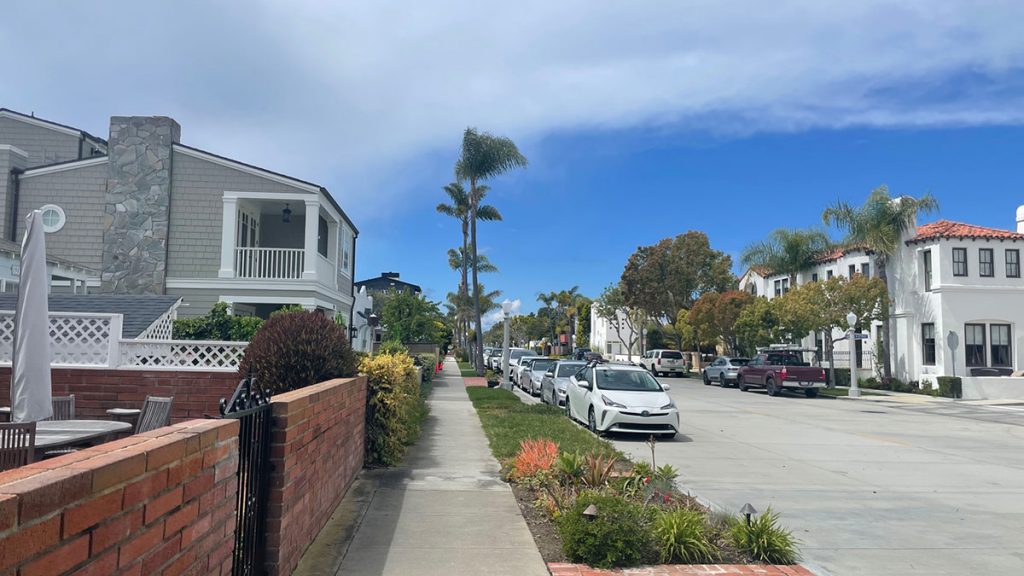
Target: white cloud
[495, 316]
[370, 97]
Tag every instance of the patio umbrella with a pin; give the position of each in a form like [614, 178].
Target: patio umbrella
[30, 374]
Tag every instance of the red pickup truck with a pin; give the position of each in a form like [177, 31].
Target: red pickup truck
[779, 369]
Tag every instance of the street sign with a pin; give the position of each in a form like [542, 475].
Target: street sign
[952, 340]
[859, 336]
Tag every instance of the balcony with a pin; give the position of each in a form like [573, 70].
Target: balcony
[270, 263]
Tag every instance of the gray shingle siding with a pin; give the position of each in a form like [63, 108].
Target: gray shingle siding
[197, 206]
[43, 145]
[81, 193]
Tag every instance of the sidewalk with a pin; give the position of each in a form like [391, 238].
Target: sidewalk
[445, 511]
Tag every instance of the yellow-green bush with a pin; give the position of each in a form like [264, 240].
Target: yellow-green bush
[394, 407]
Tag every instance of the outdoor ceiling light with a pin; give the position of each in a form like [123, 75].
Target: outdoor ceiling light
[286, 214]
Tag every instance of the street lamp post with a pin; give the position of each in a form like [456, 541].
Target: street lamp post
[373, 321]
[506, 308]
[851, 320]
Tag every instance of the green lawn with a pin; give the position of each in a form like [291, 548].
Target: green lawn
[507, 421]
[837, 392]
[467, 369]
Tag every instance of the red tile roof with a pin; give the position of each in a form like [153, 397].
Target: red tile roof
[838, 252]
[948, 229]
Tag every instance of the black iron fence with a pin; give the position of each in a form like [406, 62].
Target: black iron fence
[250, 405]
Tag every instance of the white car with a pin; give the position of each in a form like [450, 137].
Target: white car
[664, 362]
[621, 398]
[532, 374]
[514, 356]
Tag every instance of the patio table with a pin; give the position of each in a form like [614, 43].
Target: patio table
[52, 434]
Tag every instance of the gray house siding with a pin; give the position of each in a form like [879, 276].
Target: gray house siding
[81, 193]
[197, 190]
[9, 160]
[43, 145]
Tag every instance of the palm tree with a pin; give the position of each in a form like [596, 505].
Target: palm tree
[456, 261]
[484, 156]
[787, 252]
[879, 226]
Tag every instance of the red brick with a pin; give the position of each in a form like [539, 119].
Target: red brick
[185, 470]
[181, 518]
[29, 541]
[92, 512]
[60, 560]
[213, 455]
[198, 486]
[163, 504]
[115, 530]
[114, 468]
[8, 512]
[162, 451]
[145, 488]
[102, 566]
[162, 555]
[181, 564]
[140, 545]
[45, 493]
[196, 529]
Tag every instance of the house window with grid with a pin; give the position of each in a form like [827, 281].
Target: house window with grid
[828, 274]
[986, 262]
[927, 258]
[974, 348]
[865, 269]
[814, 277]
[1013, 263]
[785, 285]
[778, 287]
[959, 261]
[928, 344]
[1000, 345]
[853, 270]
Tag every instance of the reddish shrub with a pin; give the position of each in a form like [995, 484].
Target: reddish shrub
[534, 457]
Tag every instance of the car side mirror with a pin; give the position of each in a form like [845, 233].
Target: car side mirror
[666, 387]
[550, 374]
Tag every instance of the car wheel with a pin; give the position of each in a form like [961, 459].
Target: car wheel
[707, 381]
[653, 371]
[668, 435]
[721, 381]
[743, 388]
[811, 392]
[773, 390]
[592, 420]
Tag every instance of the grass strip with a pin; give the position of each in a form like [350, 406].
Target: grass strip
[507, 421]
[467, 369]
[837, 392]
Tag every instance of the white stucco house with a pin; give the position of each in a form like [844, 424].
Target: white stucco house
[613, 338]
[947, 278]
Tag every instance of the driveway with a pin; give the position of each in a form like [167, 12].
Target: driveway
[878, 487]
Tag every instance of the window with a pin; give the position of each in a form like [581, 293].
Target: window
[959, 261]
[986, 266]
[927, 254]
[785, 285]
[852, 270]
[321, 244]
[974, 349]
[928, 344]
[858, 350]
[346, 249]
[778, 287]
[865, 269]
[1000, 345]
[828, 274]
[814, 277]
[53, 218]
[1013, 263]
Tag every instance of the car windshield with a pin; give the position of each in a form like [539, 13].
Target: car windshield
[672, 355]
[739, 361]
[519, 354]
[566, 370]
[786, 359]
[631, 380]
[542, 364]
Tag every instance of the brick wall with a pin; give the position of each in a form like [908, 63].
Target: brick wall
[316, 451]
[162, 502]
[195, 393]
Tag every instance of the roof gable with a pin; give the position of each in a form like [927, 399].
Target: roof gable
[56, 126]
[947, 229]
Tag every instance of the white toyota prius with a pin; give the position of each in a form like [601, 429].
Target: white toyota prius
[621, 398]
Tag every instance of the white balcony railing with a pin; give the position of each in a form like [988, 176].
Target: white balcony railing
[269, 263]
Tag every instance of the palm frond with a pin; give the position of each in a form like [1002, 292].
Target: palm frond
[488, 213]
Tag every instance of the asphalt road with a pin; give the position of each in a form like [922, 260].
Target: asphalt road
[879, 487]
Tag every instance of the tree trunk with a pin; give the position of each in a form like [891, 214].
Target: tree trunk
[572, 332]
[880, 264]
[831, 358]
[478, 354]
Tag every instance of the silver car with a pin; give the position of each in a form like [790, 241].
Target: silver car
[724, 371]
[514, 356]
[533, 372]
[556, 379]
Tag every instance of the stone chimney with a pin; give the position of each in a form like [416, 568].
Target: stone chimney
[1020, 219]
[137, 204]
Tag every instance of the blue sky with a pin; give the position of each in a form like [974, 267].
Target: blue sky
[641, 119]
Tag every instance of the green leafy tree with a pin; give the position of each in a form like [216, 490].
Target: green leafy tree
[714, 318]
[759, 325]
[411, 318]
[669, 276]
[787, 252]
[879, 226]
[483, 157]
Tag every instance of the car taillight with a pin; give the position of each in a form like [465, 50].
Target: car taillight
[784, 374]
[659, 361]
[822, 373]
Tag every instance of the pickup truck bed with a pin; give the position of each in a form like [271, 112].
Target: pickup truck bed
[777, 371]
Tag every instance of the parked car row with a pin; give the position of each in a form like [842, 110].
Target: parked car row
[604, 397]
[775, 369]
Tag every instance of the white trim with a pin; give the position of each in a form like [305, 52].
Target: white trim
[41, 123]
[14, 149]
[334, 214]
[304, 302]
[257, 285]
[60, 212]
[236, 165]
[74, 165]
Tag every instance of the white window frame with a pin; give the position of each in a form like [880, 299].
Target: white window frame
[63, 218]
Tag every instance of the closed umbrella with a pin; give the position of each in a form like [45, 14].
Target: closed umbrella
[30, 379]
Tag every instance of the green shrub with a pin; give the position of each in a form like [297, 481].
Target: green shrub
[394, 407]
[842, 376]
[392, 347]
[297, 349]
[216, 325]
[951, 386]
[764, 540]
[620, 535]
[681, 537]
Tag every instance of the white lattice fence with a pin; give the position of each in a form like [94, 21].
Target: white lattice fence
[159, 330]
[189, 354]
[75, 339]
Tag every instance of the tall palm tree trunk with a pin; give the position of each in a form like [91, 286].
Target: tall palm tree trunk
[478, 354]
[464, 286]
[880, 264]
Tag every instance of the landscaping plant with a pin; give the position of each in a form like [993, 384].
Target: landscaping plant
[764, 540]
[620, 534]
[535, 457]
[395, 409]
[297, 349]
[681, 536]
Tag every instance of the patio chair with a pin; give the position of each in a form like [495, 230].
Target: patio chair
[17, 444]
[156, 413]
[63, 408]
